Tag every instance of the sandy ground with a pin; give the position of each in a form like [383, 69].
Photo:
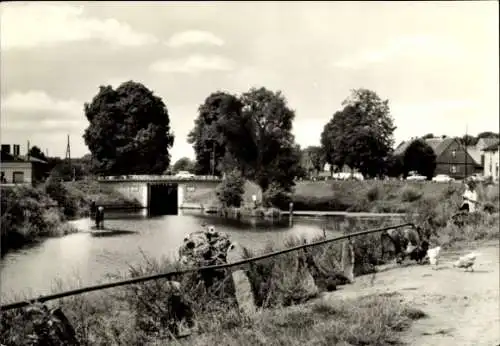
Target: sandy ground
[463, 307]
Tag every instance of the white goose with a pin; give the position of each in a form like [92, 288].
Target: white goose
[466, 261]
[433, 255]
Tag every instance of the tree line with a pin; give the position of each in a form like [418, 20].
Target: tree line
[247, 136]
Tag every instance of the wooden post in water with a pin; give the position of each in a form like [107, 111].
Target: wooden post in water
[290, 214]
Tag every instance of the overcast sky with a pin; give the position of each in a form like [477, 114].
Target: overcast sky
[437, 62]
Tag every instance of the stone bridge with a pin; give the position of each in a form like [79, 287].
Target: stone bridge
[167, 191]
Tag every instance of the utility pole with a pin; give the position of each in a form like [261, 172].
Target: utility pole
[68, 158]
[28, 150]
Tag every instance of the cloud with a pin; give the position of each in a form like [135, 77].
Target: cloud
[406, 46]
[193, 64]
[438, 107]
[418, 118]
[45, 126]
[194, 37]
[43, 120]
[308, 131]
[31, 25]
[38, 101]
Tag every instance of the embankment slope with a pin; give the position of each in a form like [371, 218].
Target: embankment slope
[462, 307]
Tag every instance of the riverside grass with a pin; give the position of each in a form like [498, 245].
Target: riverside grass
[141, 314]
[392, 196]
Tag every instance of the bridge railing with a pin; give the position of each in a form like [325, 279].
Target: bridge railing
[159, 178]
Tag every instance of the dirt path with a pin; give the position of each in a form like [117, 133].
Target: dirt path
[463, 307]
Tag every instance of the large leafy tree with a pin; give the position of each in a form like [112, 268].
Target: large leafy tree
[37, 153]
[394, 166]
[420, 157]
[208, 141]
[250, 134]
[314, 158]
[361, 134]
[183, 164]
[487, 134]
[468, 140]
[260, 139]
[129, 131]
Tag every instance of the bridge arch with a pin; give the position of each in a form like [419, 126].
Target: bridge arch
[156, 193]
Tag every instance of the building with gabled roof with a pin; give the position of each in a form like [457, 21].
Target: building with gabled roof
[18, 169]
[452, 158]
[483, 143]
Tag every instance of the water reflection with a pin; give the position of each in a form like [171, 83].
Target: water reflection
[83, 259]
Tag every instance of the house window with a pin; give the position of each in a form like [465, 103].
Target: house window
[18, 177]
[454, 153]
[2, 178]
[496, 170]
[453, 169]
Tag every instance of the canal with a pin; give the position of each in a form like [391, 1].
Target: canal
[83, 258]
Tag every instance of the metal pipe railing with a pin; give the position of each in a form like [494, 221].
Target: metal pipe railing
[87, 289]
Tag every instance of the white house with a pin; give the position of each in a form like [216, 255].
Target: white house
[17, 169]
[491, 161]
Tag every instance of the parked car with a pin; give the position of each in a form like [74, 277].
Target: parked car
[415, 177]
[442, 178]
[184, 174]
[357, 176]
[347, 176]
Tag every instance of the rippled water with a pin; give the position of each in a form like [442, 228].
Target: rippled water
[83, 259]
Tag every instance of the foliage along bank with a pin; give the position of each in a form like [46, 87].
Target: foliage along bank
[391, 196]
[143, 313]
[29, 214]
[376, 196]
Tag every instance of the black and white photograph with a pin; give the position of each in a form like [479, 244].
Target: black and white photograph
[249, 173]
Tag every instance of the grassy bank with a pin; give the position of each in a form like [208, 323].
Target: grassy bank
[143, 314]
[29, 214]
[365, 196]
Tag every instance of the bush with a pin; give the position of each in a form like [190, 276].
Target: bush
[410, 194]
[26, 216]
[491, 193]
[230, 191]
[276, 196]
[374, 193]
[451, 190]
[490, 208]
[70, 203]
[88, 190]
[29, 213]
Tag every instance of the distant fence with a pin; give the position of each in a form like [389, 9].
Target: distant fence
[387, 182]
[82, 290]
